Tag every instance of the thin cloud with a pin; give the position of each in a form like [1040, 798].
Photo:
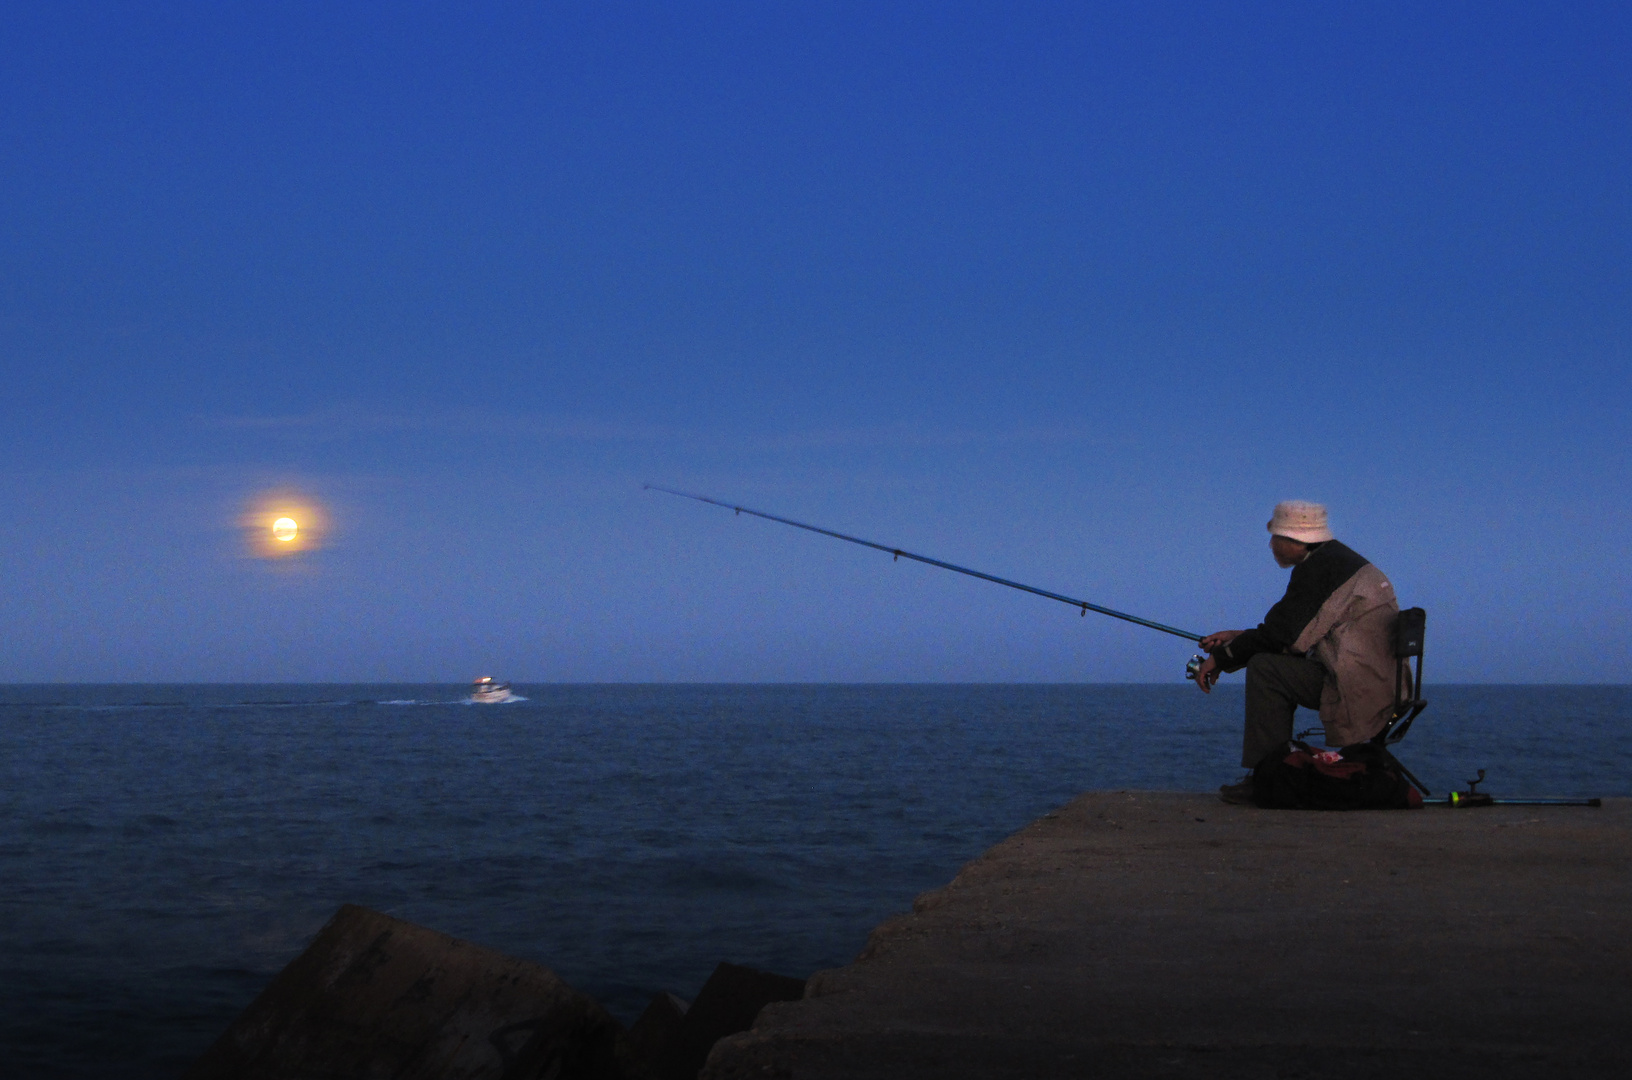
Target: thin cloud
[336, 423]
[343, 423]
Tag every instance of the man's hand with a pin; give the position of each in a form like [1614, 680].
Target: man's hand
[1207, 675]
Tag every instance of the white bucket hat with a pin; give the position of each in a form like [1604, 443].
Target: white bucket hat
[1304, 522]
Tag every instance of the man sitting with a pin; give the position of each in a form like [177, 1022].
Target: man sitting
[1325, 645]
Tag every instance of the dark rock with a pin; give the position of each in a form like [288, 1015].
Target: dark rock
[654, 1039]
[374, 996]
[728, 1003]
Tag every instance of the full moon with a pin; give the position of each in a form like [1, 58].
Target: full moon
[283, 525]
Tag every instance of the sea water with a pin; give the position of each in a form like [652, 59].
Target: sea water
[164, 850]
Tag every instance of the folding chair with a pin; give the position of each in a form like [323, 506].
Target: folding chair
[1408, 699]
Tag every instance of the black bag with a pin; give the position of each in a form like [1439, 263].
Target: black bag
[1360, 777]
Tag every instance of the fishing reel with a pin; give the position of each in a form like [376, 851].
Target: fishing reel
[1194, 666]
[1471, 797]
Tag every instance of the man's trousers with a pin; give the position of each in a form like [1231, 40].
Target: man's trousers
[1276, 685]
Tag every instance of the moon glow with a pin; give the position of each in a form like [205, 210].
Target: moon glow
[283, 525]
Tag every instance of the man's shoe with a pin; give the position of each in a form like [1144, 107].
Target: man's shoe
[1237, 794]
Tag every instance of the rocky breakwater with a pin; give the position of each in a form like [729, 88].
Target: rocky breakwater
[1141, 934]
[373, 996]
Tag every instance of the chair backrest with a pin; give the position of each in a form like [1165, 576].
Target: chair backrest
[1409, 702]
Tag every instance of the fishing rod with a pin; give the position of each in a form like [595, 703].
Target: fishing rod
[897, 554]
[1472, 797]
[1457, 800]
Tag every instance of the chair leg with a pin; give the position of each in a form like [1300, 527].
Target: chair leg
[1400, 765]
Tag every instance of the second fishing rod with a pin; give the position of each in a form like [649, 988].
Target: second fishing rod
[897, 553]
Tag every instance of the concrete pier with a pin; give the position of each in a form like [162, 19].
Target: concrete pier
[1146, 934]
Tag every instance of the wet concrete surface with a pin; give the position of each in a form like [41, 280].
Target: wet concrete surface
[1159, 934]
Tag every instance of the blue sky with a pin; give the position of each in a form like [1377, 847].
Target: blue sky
[1071, 293]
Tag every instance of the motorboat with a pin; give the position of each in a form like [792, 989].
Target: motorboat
[485, 691]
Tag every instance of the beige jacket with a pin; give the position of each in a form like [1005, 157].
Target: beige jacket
[1353, 638]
